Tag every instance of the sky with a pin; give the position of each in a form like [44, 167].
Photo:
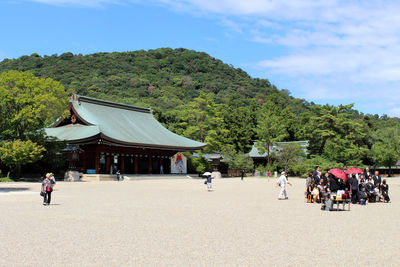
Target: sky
[325, 51]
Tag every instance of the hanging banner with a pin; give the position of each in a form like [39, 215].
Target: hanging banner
[178, 163]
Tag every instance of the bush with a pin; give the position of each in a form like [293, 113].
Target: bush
[302, 169]
[6, 179]
[264, 169]
[199, 164]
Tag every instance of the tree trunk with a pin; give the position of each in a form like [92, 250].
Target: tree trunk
[18, 171]
[268, 157]
[390, 172]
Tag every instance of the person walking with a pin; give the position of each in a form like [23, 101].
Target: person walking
[242, 174]
[209, 180]
[282, 181]
[47, 188]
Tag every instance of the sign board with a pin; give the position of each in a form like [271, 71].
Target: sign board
[178, 163]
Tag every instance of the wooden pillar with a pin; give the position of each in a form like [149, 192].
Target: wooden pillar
[122, 164]
[150, 164]
[97, 162]
[136, 165]
[108, 163]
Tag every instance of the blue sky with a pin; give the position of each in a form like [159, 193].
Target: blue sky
[326, 51]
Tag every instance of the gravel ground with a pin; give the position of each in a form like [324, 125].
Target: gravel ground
[176, 222]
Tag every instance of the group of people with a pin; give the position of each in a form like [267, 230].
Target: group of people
[47, 188]
[368, 186]
[360, 188]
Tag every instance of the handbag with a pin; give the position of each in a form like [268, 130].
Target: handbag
[42, 194]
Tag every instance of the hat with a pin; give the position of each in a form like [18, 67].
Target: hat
[283, 172]
[48, 174]
[206, 173]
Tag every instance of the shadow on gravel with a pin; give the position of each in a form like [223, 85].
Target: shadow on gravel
[13, 189]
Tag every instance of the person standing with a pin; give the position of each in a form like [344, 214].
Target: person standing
[367, 173]
[161, 169]
[377, 180]
[47, 188]
[308, 182]
[282, 181]
[353, 182]
[315, 173]
[242, 174]
[385, 191]
[317, 177]
[269, 174]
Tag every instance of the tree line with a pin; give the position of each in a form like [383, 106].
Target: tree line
[199, 97]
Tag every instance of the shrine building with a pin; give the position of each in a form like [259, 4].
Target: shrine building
[103, 137]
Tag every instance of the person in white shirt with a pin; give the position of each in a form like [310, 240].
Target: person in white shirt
[282, 181]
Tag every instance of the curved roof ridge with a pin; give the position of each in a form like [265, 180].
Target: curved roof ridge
[86, 99]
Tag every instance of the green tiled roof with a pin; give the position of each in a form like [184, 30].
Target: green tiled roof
[255, 153]
[122, 124]
[73, 132]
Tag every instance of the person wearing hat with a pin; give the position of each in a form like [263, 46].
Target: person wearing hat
[282, 181]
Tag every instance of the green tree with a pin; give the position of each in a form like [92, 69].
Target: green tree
[270, 127]
[238, 160]
[18, 152]
[337, 134]
[28, 104]
[304, 167]
[386, 150]
[289, 154]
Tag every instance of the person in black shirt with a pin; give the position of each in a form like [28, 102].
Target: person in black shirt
[354, 189]
[385, 191]
[317, 178]
[370, 190]
[367, 173]
[332, 184]
[377, 179]
[316, 174]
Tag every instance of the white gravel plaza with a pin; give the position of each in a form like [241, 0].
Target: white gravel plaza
[176, 222]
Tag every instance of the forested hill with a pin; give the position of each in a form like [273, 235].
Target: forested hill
[200, 97]
[162, 79]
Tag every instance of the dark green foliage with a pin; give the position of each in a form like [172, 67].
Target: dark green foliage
[161, 78]
[203, 98]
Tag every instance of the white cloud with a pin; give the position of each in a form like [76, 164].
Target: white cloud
[332, 50]
[345, 48]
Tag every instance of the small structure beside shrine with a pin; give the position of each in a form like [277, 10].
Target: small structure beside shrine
[261, 158]
[105, 137]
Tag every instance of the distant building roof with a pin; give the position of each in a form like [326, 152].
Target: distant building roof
[255, 153]
[210, 156]
[107, 122]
